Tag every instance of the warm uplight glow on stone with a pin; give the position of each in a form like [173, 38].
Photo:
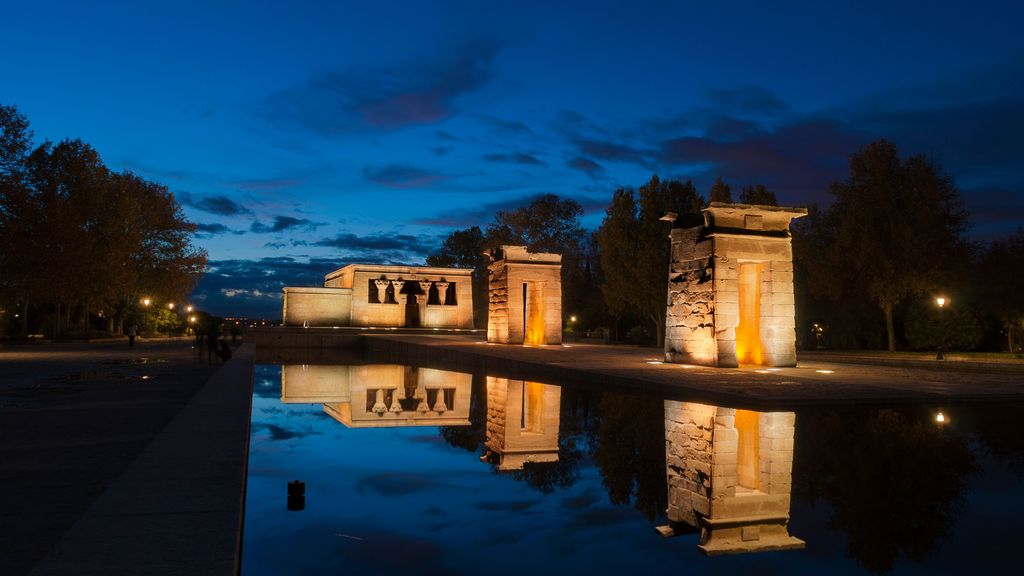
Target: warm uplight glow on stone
[825, 371]
[748, 331]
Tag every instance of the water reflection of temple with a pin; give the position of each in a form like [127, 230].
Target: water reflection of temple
[381, 395]
[522, 422]
[730, 476]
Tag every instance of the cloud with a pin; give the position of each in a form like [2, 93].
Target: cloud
[479, 215]
[401, 176]
[382, 242]
[265, 184]
[514, 158]
[220, 205]
[282, 223]
[395, 483]
[506, 126]
[749, 99]
[446, 136]
[253, 287]
[213, 229]
[281, 433]
[419, 91]
[585, 165]
[511, 506]
[611, 151]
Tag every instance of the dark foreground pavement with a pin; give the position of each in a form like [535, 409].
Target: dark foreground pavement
[119, 460]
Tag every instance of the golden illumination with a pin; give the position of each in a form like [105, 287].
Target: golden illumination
[146, 301]
[534, 313]
[190, 308]
[825, 371]
[941, 301]
[170, 306]
[747, 462]
[941, 418]
[192, 319]
[748, 331]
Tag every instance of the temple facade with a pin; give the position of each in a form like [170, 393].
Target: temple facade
[371, 295]
[730, 476]
[730, 292]
[525, 302]
[381, 395]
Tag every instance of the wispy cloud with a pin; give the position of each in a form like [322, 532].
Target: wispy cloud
[401, 176]
[419, 91]
[282, 223]
[220, 205]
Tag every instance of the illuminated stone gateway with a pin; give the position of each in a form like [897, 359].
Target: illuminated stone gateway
[384, 296]
[525, 304]
[522, 422]
[730, 292]
[730, 474]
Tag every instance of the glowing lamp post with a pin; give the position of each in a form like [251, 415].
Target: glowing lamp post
[189, 308]
[941, 303]
[170, 306]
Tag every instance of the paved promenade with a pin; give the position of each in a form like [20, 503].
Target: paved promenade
[121, 460]
[817, 379]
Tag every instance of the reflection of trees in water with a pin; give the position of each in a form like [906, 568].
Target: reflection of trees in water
[630, 451]
[895, 481]
[472, 437]
[998, 428]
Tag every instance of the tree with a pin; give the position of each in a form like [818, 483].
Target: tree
[16, 258]
[898, 227]
[548, 224]
[720, 192]
[758, 194]
[1001, 284]
[635, 247]
[465, 249]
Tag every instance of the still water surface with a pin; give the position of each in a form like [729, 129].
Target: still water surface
[414, 470]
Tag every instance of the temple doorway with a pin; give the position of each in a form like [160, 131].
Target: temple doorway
[748, 331]
[533, 312]
[412, 311]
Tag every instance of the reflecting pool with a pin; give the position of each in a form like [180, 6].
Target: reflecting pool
[420, 470]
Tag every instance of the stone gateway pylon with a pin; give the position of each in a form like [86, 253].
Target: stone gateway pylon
[525, 297]
[730, 288]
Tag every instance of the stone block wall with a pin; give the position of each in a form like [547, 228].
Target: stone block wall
[513, 443]
[317, 306]
[512, 268]
[703, 305]
[702, 458]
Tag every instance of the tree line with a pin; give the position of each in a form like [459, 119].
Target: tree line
[82, 243]
[867, 268]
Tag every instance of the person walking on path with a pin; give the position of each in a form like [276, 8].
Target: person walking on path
[132, 332]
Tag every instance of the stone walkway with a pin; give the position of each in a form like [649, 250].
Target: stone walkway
[106, 431]
[813, 382]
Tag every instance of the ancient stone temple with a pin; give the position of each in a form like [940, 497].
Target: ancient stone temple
[730, 474]
[385, 296]
[381, 395]
[525, 304]
[522, 422]
[730, 292]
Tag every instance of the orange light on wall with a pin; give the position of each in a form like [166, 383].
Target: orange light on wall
[748, 331]
[534, 313]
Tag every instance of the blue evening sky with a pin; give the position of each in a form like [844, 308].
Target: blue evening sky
[304, 135]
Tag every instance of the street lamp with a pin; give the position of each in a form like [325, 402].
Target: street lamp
[189, 308]
[941, 303]
[170, 306]
[146, 301]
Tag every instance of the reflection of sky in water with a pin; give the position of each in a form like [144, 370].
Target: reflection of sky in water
[400, 500]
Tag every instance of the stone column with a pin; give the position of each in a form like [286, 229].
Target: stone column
[422, 300]
[382, 290]
[398, 288]
[442, 291]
